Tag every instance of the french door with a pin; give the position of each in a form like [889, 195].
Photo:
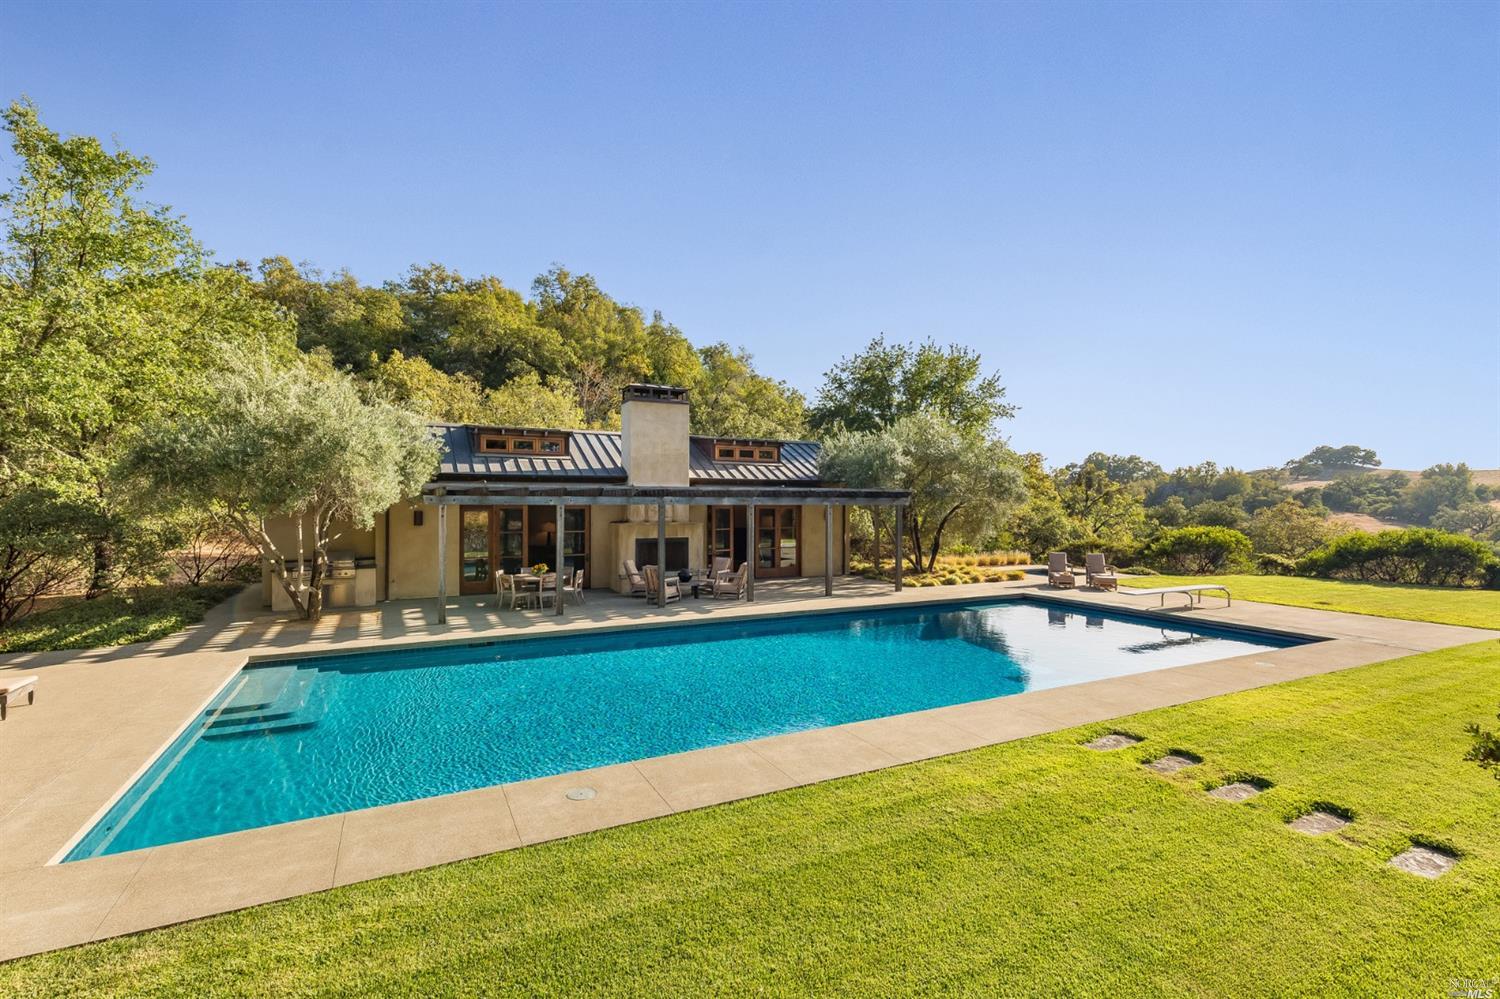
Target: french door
[514, 538]
[778, 541]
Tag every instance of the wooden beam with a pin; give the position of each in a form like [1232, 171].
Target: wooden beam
[661, 553]
[828, 551]
[442, 596]
[900, 539]
[875, 523]
[552, 495]
[750, 551]
[557, 598]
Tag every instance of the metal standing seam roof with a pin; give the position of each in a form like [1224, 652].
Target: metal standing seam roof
[596, 455]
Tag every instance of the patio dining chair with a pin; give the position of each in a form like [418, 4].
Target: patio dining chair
[574, 590]
[547, 590]
[505, 588]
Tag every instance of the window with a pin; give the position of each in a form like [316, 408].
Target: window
[759, 451]
[546, 442]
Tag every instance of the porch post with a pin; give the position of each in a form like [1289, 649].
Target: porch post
[900, 532]
[827, 549]
[875, 522]
[557, 598]
[661, 552]
[442, 596]
[750, 550]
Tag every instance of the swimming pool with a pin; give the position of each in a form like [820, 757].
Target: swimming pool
[301, 738]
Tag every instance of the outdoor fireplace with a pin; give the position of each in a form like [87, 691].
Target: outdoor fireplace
[677, 553]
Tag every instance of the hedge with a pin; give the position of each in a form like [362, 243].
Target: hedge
[1415, 555]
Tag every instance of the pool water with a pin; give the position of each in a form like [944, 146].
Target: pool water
[302, 738]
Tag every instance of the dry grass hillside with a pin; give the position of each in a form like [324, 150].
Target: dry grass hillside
[1365, 522]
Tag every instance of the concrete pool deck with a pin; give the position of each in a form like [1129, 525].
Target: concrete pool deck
[101, 716]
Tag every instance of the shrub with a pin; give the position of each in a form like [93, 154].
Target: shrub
[1140, 570]
[1486, 748]
[1416, 555]
[1198, 550]
[1272, 564]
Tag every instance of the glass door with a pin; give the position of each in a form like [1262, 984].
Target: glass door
[476, 550]
[777, 541]
[510, 537]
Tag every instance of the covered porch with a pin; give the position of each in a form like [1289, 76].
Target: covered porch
[560, 502]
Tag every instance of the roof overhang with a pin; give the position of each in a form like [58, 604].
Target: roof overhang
[708, 494]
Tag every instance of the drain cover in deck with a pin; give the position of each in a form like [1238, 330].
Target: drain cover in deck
[580, 794]
[1316, 822]
[1115, 740]
[1238, 791]
[1424, 861]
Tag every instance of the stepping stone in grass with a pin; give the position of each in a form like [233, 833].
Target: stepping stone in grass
[1317, 822]
[1425, 862]
[1173, 762]
[1115, 740]
[1238, 791]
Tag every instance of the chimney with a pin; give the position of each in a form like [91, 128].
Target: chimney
[654, 435]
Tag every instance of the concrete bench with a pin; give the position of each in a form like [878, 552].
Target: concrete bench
[1193, 591]
[11, 690]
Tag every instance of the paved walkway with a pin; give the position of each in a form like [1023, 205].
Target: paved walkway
[102, 715]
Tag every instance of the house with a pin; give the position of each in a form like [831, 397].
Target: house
[651, 492]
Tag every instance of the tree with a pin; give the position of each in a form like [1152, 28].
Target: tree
[1441, 487]
[1122, 468]
[883, 383]
[1040, 524]
[41, 548]
[731, 400]
[1477, 520]
[106, 308]
[1289, 529]
[1325, 460]
[302, 441]
[1100, 505]
[958, 480]
[1198, 550]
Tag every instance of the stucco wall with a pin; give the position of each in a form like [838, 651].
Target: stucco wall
[410, 562]
[654, 442]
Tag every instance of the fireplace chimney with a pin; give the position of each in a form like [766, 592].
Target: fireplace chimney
[654, 435]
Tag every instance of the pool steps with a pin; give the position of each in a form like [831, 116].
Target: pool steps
[286, 701]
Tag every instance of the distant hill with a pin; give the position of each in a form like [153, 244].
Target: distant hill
[1482, 477]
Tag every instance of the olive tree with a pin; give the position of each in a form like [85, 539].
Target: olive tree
[957, 479]
[303, 441]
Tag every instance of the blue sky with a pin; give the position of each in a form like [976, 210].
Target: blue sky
[1141, 215]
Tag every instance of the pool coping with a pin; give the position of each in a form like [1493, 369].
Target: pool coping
[596, 628]
[95, 898]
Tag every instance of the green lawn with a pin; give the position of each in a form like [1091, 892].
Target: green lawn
[1444, 605]
[1036, 867]
[115, 619]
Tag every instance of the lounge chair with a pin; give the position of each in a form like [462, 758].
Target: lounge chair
[1099, 573]
[730, 584]
[722, 564]
[636, 580]
[12, 689]
[654, 581]
[1058, 573]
